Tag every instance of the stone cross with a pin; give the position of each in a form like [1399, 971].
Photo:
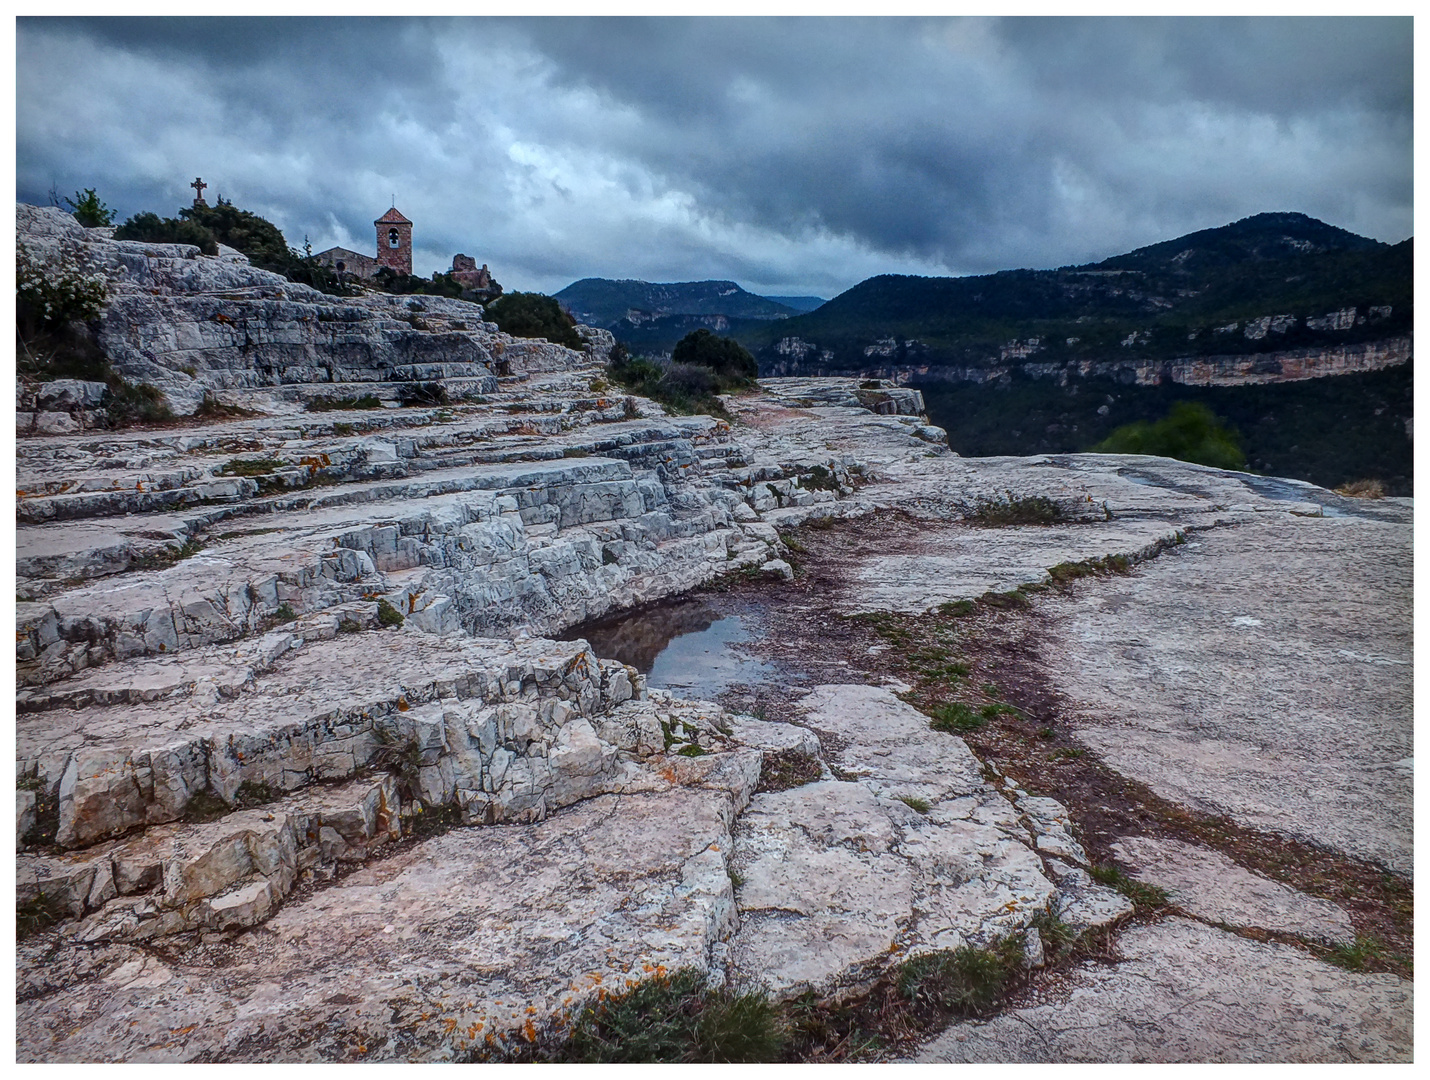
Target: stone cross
[198, 185]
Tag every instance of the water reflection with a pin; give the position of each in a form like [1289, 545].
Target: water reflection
[685, 645]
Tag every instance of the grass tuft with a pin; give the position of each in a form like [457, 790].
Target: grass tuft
[913, 802]
[966, 980]
[956, 717]
[1147, 898]
[675, 1019]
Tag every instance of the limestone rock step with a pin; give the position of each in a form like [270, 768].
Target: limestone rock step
[477, 938]
[217, 875]
[911, 851]
[502, 729]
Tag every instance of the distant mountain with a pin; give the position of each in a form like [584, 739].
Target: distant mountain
[1266, 283]
[602, 302]
[799, 303]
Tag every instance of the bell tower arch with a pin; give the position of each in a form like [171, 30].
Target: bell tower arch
[394, 241]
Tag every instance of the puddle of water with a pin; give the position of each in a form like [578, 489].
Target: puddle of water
[688, 646]
[1273, 488]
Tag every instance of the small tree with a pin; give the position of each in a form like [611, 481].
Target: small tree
[534, 315]
[88, 210]
[730, 361]
[1190, 432]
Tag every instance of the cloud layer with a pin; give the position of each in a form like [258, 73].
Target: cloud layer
[792, 155]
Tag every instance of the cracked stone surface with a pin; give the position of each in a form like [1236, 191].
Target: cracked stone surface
[1260, 671]
[841, 878]
[417, 957]
[1208, 885]
[1186, 992]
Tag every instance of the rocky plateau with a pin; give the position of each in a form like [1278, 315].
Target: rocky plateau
[304, 772]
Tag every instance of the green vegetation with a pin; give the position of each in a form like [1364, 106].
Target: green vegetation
[1016, 510]
[53, 301]
[285, 613]
[962, 981]
[394, 281]
[165, 557]
[913, 802]
[1146, 897]
[674, 1018]
[387, 615]
[135, 404]
[423, 395]
[534, 315]
[331, 404]
[150, 228]
[88, 210]
[247, 467]
[957, 718]
[1105, 311]
[1331, 431]
[208, 226]
[728, 360]
[1190, 432]
[785, 769]
[204, 806]
[36, 914]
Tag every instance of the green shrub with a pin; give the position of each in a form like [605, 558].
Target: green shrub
[730, 361]
[88, 210]
[675, 1018]
[135, 404]
[51, 295]
[1190, 432]
[388, 615]
[534, 315]
[151, 228]
[394, 281]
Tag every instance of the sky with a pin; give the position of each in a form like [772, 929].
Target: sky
[794, 156]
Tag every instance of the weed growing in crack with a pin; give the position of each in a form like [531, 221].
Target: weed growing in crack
[1147, 898]
[166, 557]
[784, 769]
[205, 806]
[956, 717]
[36, 914]
[966, 980]
[1013, 510]
[675, 1018]
[913, 802]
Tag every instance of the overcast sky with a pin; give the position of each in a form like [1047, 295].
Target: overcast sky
[793, 156]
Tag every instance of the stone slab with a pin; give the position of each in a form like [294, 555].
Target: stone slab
[1186, 992]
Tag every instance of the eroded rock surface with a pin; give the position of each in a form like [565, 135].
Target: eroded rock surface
[228, 748]
[1209, 885]
[1187, 992]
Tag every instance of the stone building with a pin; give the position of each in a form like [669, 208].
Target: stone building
[394, 249]
[476, 284]
[394, 241]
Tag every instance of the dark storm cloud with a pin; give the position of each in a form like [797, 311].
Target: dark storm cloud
[792, 155]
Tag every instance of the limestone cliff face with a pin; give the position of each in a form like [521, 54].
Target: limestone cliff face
[191, 325]
[1289, 365]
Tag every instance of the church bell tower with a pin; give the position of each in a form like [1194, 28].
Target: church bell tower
[394, 241]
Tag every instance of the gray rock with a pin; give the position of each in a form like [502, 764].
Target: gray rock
[1185, 992]
[1210, 886]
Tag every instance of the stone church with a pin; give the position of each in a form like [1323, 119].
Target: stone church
[394, 250]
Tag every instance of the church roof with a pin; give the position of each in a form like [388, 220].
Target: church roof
[392, 217]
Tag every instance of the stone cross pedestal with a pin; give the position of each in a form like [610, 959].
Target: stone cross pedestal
[198, 185]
